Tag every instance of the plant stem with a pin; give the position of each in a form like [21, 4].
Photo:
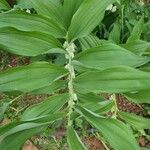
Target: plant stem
[70, 48]
[122, 22]
[115, 108]
[15, 99]
[101, 139]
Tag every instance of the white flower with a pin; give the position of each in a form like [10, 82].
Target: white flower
[109, 7]
[112, 8]
[28, 11]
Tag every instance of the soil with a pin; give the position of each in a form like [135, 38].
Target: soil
[93, 143]
[125, 105]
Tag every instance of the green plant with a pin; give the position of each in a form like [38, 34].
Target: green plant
[95, 67]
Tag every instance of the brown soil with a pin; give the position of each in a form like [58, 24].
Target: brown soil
[144, 142]
[9, 61]
[93, 143]
[127, 106]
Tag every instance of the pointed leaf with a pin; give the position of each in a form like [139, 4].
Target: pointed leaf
[4, 5]
[49, 8]
[142, 96]
[30, 77]
[89, 41]
[87, 17]
[80, 67]
[47, 107]
[90, 97]
[113, 80]
[114, 35]
[95, 103]
[138, 47]
[74, 142]
[14, 135]
[31, 22]
[137, 30]
[69, 8]
[136, 121]
[3, 107]
[118, 135]
[27, 43]
[110, 55]
[51, 89]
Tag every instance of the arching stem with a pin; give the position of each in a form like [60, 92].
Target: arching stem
[70, 48]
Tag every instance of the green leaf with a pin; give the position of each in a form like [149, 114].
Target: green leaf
[69, 9]
[117, 134]
[136, 121]
[47, 107]
[51, 89]
[113, 80]
[87, 17]
[138, 46]
[80, 67]
[89, 41]
[137, 30]
[90, 97]
[31, 22]
[74, 142]
[110, 55]
[50, 8]
[14, 135]
[146, 68]
[30, 77]
[142, 96]
[27, 43]
[95, 103]
[114, 35]
[3, 107]
[4, 5]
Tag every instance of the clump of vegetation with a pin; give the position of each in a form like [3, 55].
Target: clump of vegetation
[85, 63]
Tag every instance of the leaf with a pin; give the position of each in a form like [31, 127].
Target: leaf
[94, 103]
[87, 17]
[74, 142]
[137, 30]
[146, 68]
[30, 77]
[99, 107]
[142, 96]
[136, 121]
[4, 5]
[51, 89]
[3, 107]
[138, 47]
[112, 80]
[80, 68]
[27, 43]
[114, 35]
[90, 97]
[31, 22]
[14, 135]
[49, 106]
[50, 8]
[118, 135]
[89, 41]
[110, 55]
[69, 8]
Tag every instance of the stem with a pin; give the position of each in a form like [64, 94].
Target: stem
[70, 48]
[101, 139]
[15, 99]
[122, 22]
[115, 108]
